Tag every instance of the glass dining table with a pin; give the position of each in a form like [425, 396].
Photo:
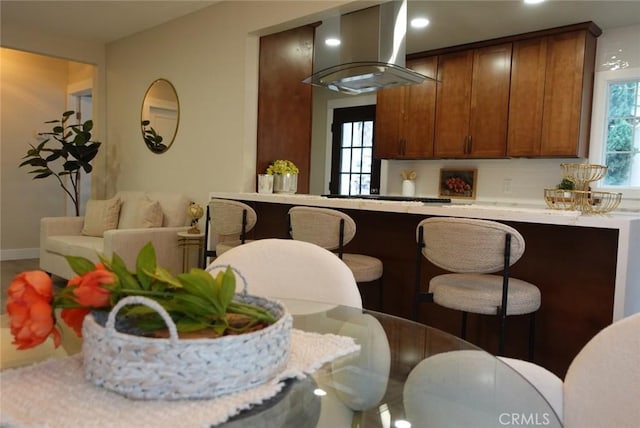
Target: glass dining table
[404, 375]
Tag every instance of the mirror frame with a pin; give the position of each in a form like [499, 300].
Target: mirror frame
[149, 135]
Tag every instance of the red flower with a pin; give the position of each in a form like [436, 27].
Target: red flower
[89, 290]
[74, 317]
[29, 306]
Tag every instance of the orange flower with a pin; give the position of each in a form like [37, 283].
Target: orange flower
[29, 306]
[74, 317]
[88, 289]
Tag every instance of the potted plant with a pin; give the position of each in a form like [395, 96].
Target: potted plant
[73, 155]
[147, 334]
[152, 139]
[285, 174]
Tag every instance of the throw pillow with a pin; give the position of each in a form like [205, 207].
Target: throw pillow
[149, 213]
[101, 215]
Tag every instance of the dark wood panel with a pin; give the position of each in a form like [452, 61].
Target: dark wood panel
[574, 267]
[284, 102]
[564, 95]
[421, 111]
[490, 101]
[527, 93]
[453, 104]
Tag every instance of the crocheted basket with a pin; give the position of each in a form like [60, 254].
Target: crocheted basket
[170, 369]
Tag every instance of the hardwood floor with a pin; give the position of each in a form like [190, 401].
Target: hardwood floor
[10, 268]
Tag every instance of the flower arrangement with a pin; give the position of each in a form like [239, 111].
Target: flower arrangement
[196, 301]
[281, 167]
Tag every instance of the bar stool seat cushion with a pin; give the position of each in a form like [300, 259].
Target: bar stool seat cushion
[365, 268]
[482, 293]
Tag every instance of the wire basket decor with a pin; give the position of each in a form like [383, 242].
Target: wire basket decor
[173, 368]
[582, 198]
[588, 202]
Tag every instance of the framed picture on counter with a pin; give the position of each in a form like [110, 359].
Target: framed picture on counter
[458, 183]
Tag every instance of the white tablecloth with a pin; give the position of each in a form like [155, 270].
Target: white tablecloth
[54, 393]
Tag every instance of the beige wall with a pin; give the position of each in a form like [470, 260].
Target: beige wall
[43, 97]
[211, 59]
[26, 104]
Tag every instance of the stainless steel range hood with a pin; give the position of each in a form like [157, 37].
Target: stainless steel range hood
[371, 54]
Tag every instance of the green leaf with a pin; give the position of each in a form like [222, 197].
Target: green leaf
[71, 165]
[161, 274]
[53, 156]
[80, 265]
[87, 126]
[58, 129]
[228, 289]
[32, 162]
[196, 305]
[43, 175]
[201, 285]
[127, 280]
[186, 325]
[146, 262]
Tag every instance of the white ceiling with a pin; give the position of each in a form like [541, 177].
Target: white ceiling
[452, 22]
[100, 21]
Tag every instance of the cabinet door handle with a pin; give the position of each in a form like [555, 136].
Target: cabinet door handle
[467, 145]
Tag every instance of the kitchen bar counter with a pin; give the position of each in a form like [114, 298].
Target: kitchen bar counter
[586, 266]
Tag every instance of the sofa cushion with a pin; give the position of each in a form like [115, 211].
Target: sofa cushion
[75, 245]
[149, 213]
[174, 207]
[129, 211]
[139, 211]
[101, 215]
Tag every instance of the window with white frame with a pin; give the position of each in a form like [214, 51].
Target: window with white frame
[615, 132]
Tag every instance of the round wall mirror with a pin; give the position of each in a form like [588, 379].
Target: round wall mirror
[160, 116]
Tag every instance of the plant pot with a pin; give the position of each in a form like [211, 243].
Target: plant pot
[173, 368]
[285, 183]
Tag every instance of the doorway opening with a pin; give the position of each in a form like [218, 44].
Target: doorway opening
[354, 170]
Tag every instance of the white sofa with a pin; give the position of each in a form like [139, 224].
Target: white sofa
[138, 221]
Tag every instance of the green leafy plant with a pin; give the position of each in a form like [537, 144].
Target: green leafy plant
[196, 301]
[282, 167]
[567, 184]
[152, 139]
[69, 158]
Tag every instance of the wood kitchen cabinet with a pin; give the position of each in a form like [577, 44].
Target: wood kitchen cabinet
[472, 105]
[405, 116]
[551, 94]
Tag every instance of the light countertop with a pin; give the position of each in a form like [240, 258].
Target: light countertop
[528, 213]
[627, 225]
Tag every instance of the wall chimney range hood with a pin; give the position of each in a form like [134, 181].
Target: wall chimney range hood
[371, 55]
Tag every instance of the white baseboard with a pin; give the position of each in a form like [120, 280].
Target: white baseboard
[21, 253]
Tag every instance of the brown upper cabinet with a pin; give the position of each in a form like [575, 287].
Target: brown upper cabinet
[551, 94]
[472, 106]
[405, 116]
[527, 95]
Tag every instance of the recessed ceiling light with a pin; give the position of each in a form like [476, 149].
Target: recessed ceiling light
[419, 22]
[533, 1]
[332, 42]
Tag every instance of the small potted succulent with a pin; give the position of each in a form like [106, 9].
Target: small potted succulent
[285, 176]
